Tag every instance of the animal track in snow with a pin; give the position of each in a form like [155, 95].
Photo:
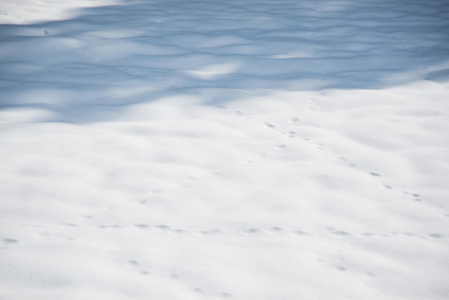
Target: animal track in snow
[251, 230]
[141, 225]
[280, 147]
[413, 196]
[347, 162]
[209, 232]
[10, 241]
[293, 120]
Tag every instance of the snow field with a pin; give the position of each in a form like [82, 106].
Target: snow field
[240, 149]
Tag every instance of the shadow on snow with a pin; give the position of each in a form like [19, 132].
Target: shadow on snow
[113, 56]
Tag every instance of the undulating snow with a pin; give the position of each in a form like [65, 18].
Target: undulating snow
[251, 149]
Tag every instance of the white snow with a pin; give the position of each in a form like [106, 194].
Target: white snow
[224, 149]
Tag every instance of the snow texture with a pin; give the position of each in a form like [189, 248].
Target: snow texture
[251, 149]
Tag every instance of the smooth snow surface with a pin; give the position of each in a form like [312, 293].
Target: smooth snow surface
[224, 149]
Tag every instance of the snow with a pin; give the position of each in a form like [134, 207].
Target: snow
[241, 149]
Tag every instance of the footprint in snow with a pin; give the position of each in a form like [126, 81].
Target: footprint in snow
[209, 232]
[280, 147]
[276, 229]
[141, 225]
[299, 233]
[320, 147]
[10, 241]
[162, 226]
[291, 134]
[251, 230]
[435, 235]
[387, 186]
[413, 196]
[341, 233]
[350, 164]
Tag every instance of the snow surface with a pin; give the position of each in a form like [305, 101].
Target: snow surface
[224, 149]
